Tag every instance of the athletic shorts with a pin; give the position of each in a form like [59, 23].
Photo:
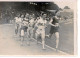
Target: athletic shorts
[16, 26]
[24, 28]
[40, 31]
[22, 32]
[30, 30]
[54, 29]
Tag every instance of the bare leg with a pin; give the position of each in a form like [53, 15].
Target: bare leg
[16, 31]
[28, 37]
[27, 33]
[22, 39]
[57, 39]
[19, 30]
[31, 34]
[43, 39]
[15, 28]
[36, 35]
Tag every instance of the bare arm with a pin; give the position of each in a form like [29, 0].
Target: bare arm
[56, 25]
[51, 24]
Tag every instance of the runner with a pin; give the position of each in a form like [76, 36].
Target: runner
[41, 24]
[21, 28]
[55, 29]
[30, 27]
[26, 26]
[26, 21]
[17, 24]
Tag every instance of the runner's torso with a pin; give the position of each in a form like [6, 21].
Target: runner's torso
[25, 22]
[31, 23]
[41, 23]
[16, 19]
[55, 20]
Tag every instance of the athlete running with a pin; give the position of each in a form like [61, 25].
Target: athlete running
[21, 29]
[54, 22]
[17, 24]
[41, 24]
[30, 28]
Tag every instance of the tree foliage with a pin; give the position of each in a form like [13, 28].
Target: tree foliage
[66, 7]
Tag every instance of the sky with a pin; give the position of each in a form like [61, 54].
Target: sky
[63, 3]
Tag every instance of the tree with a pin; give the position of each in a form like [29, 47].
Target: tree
[66, 7]
[60, 9]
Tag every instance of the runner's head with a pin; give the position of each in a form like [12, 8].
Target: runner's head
[27, 15]
[22, 16]
[33, 15]
[44, 15]
[18, 15]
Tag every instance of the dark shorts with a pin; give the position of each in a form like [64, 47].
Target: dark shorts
[54, 29]
[24, 28]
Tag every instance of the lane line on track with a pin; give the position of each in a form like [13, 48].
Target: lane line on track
[53, 48]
